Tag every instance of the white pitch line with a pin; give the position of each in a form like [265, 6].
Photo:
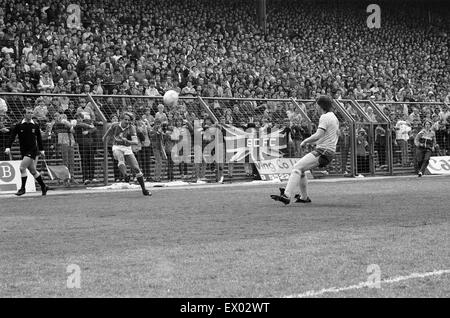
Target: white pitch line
[397, 279]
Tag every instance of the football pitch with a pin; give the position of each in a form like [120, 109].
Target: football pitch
[359, 238]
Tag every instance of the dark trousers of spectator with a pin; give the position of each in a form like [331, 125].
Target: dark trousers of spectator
[183, 168]
[255, 172]
[404, 151]
[423, 157]
[230, 169]
[344, 156]
[67, 154]
[144, 161]
[248, 168]
[158, 164]
[117, 175]
[381, 149]
[200, 169]
[297, 149]
[362, 164]
[441, 140]
[87, 154]
[414, 157]
[49, 148]
[169, 166]
[219, 172]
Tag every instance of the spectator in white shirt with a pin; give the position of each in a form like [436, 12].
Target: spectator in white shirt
[402, 131]
[45, 82]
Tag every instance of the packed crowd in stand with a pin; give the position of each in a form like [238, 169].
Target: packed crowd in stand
[216, 49]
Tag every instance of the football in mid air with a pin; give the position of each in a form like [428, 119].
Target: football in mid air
[170, 98]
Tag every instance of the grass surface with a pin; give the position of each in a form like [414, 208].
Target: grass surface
[228, 242]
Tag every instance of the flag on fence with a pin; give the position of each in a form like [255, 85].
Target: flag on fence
[58, 172]
[257, 144]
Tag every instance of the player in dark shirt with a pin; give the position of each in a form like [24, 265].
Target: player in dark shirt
[124, 135]
[30, 142]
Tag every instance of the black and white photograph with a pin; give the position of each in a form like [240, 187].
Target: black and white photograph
[232, 155]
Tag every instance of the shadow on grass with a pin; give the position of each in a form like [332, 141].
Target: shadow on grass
[331, 205]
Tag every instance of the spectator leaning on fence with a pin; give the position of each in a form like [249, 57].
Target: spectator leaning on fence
[64, 131]
[84, 136]
[425, 142]
[156, 141]
[403, 129]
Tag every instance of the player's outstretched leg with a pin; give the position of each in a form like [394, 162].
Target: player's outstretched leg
[297, 179]
[140, 179]
[304, 198]
[139, 175]
[296, 197]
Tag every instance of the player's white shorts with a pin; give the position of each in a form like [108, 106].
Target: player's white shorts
[120, 151]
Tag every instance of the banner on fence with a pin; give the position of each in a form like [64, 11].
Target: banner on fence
[439, 165]
[274, 169]
[10, 180]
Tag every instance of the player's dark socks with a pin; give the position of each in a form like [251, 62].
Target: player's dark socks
[20, 192]
[40, 181]
[141, 182]
[24, 182]
[45, 189]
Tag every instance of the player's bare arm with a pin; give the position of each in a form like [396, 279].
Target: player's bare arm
[312, 139]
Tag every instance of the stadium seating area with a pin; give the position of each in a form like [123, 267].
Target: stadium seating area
[215, 49]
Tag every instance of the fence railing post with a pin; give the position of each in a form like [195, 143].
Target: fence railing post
[208, 110]
[105, 145]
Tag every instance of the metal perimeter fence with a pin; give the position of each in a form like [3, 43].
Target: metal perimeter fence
[219, 139]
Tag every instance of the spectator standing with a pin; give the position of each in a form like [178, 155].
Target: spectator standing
[84, 135]
[380, 145]
[344, 146]
[116, 171]
[362, 157]
[425, 142]
[144, 156]
[403, 129]
[64, 131]
[169, 130]
[156, 141]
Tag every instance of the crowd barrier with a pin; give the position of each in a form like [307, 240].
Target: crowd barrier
[223, 137]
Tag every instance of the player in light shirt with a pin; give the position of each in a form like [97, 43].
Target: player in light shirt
[325, 138]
